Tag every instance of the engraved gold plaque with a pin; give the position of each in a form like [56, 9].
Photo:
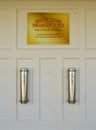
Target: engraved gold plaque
[47, 28]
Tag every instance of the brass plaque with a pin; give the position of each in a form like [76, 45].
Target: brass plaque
[47, 28]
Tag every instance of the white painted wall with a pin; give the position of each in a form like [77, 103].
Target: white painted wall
[48, 107]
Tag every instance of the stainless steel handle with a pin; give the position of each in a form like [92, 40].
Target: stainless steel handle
[23, 85]
[71, 85]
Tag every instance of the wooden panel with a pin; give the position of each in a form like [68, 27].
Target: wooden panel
[22, 33]
[90, 29]
[5, 28]
[5, 89]
[29, 110]
[91, 88]
[49, 89]
[71, 111]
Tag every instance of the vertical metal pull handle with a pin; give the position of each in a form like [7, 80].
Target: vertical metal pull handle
[23, 85]
[71, 85]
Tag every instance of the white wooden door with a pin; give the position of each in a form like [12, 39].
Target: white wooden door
[47, 108]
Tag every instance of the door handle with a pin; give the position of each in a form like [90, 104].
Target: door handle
[71, 85]
[23, 85]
